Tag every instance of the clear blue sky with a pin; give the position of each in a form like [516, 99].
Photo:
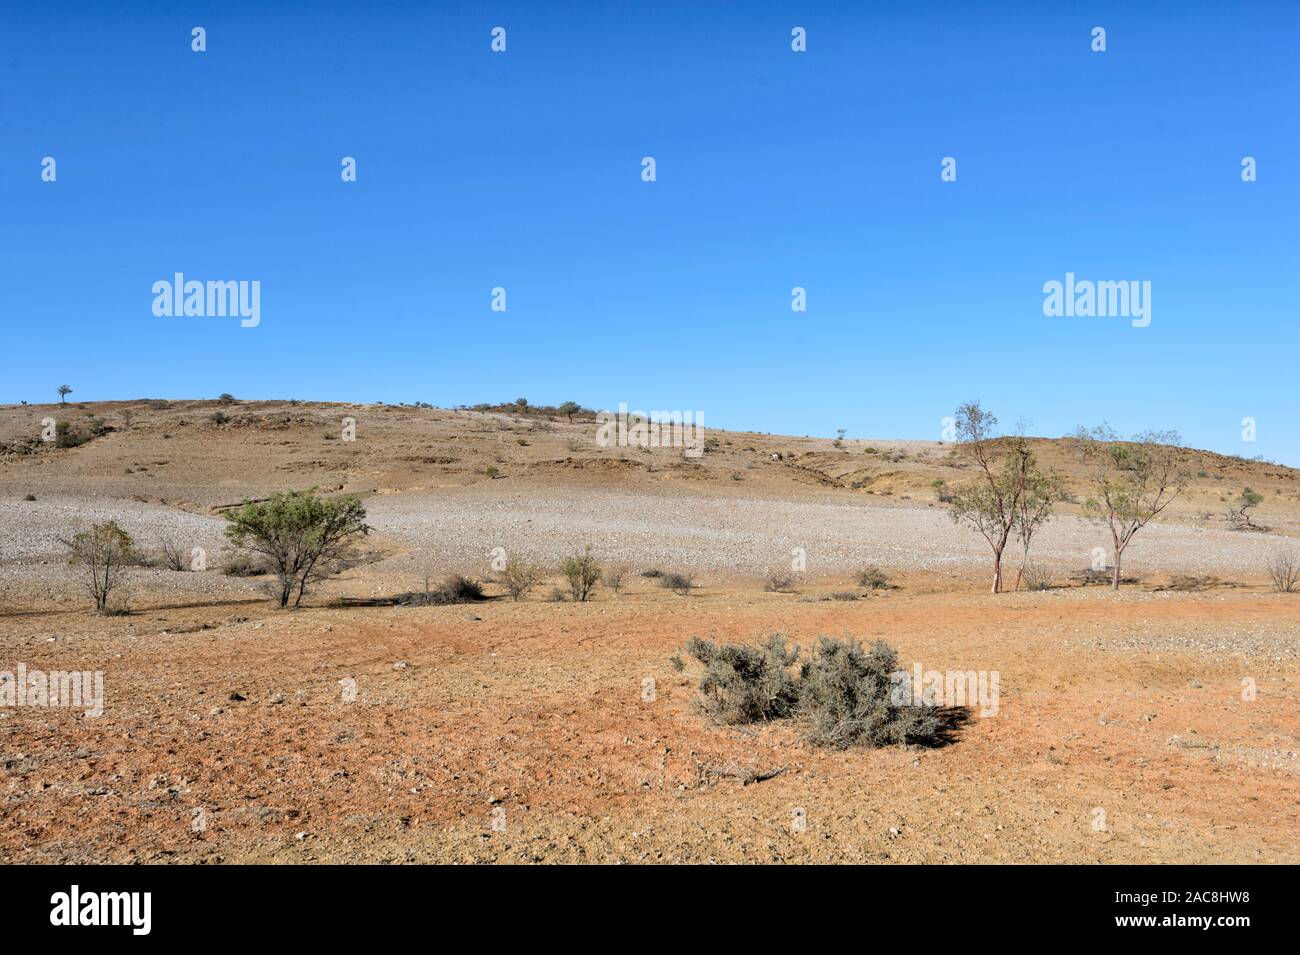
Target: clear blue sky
[775, 169]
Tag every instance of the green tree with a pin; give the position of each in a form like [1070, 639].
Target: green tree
[303, 537]
[64, 391]
[569, 408]
[1133, 481]
[994, 505]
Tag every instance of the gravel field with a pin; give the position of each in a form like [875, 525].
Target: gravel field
[689, 531]
[727, 535]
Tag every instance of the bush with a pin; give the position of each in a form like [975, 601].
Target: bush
[581, 571]
[65, 437]
[873, 578]
[455, 589]
[173, 556]
[780, 584]
[680, 584]
[846, 698]
[652, 573]
[1284, 570]
[226, 398]
[519, 577]
[218, 418]
[1037, 577]
[614, 578]
[744, 684]
[242, 565]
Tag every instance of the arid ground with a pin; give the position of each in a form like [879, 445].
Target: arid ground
[544, 731]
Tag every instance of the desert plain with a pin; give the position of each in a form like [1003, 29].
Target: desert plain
[553, 731]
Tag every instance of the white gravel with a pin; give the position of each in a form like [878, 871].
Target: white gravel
[706, 534]
[715, 534]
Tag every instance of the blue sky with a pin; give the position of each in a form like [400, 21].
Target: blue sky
[775, 169]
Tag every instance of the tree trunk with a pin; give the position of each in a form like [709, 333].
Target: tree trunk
[1114, 579]
[997, 574]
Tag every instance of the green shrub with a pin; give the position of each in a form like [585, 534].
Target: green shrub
[846, 698]
[581, 571]
[744, 684]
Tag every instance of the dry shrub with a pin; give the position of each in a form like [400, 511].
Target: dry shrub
[846, 699]
[744, 684]
[1284, 571]
[780, 584]
[873, 578]
[455, 589]
[519, 577]
[680, 584]
[1037, 577]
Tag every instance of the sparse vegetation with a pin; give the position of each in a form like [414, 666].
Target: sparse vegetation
[455, 589]
[582, 572]
[1238, 515]
[843, 696]
[519, 577]
[614, 578]
[173, 556]
[64, 391]
[1036, 577]
[103, 554]
[780, 583]
[680, 584]
[873, 578]
[1283, 568]
[243, 565]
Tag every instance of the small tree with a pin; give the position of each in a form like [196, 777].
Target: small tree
[569, 408]
[1133, 481]
[1034, 509]
[1239, 515]
[992, 504]
[64, 391]
[303, 537]
[581, 571]
[103, 553]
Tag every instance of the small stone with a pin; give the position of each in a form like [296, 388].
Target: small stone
[401, 665]
[237, 697]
